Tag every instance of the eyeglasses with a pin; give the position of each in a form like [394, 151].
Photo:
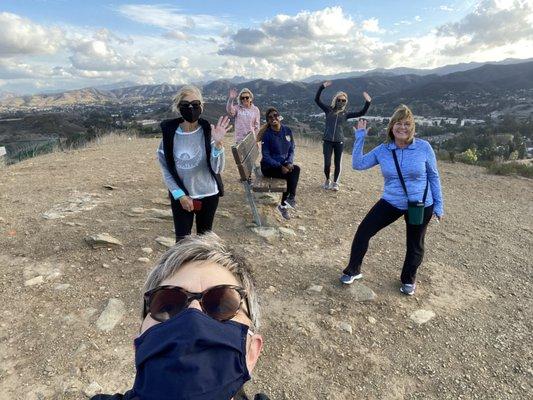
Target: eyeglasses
[341, 100]
[190, 104]
[245, 97]
[273, 116]
[221, 302]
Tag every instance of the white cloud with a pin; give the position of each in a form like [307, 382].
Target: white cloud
[20, 36]
[371, 25]
[445, 7]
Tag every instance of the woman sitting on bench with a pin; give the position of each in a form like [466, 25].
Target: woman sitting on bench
[278, 156]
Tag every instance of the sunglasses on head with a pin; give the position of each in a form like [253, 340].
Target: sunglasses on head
[273, 116]
[341, 100]
[192, 104]
[221, 302]
[245, 97]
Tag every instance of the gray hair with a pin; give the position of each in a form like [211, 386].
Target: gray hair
[206, 247]
[183, 92]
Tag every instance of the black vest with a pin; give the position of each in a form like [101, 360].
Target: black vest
[168, 127]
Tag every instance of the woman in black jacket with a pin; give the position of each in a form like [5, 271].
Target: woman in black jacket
[336, 117]
[191, 156]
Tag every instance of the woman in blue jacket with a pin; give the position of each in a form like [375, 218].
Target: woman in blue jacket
[409, 168]
[278, 158]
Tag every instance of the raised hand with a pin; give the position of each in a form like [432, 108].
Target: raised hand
[219, 130]
[232, 93]
[367, 97]
[361, 124]
[327, 83]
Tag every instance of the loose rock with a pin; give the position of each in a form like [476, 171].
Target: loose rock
[147, 250]
[165, 241]
[361, 292]
[34, 281]
[111, 315]
[92, 390]
[346, 327]
[422, 316]
[315, 288]
[102, 240]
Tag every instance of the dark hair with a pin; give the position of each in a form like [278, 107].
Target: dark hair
[265, 126]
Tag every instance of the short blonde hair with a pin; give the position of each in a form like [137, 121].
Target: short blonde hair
[184, 92]
[402, 113]
[206, 247]
[334, 99]
[245, 90]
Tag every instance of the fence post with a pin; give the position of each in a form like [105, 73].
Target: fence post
[3, 153]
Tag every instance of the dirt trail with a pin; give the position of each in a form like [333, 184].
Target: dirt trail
[474, 286]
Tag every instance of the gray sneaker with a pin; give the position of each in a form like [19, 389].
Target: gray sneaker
[283, 211]
[335, 186]
[348, 279]
[327, 185]
[290, 202]
[408, 288]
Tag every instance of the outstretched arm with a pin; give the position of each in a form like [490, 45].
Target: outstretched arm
[362, 161]
[363, 111]
[230, 107]
[323, 106]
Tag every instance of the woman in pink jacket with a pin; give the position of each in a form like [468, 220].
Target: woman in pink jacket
[245, 113]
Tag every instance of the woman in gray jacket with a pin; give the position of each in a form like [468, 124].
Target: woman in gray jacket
[336, 117]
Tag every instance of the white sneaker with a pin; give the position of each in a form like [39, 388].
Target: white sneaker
[348, 279]
[327, 185]
[335, 186]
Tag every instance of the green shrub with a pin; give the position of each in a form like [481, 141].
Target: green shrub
[511, 168]
[468, 156]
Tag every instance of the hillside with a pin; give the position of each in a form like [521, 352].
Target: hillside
[319, 344]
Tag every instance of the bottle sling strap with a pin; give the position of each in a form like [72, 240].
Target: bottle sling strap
[415, 209]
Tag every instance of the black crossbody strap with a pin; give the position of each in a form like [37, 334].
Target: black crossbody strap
[401, 178]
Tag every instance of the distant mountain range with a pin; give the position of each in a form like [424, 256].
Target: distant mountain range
[463, 90]
[447, 69]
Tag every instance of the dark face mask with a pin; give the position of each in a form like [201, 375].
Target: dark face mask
[190, 114]
[191, 357]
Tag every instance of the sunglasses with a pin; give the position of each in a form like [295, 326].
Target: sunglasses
[341, 100]
[245, 97]
[221, 302]
[273, 116]
[190, 104]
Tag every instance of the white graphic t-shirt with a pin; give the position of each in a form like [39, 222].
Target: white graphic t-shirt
[191, 164]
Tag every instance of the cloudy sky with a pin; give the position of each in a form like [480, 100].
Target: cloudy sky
[66, 44]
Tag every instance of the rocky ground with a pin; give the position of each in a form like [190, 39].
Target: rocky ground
[70, 311]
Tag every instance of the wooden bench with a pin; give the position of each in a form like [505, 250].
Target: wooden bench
[245, 154]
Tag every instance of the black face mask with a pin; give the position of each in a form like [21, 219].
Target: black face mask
[190, 114]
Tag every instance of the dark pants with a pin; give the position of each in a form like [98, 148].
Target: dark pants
[380, 216]
[291, 177]
[183, 219]
[330, 148]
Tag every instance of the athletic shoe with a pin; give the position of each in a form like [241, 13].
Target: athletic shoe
[408, 288]
[290, 202]
[283, 211]
[335, 186]
[327, 185]
[348, 279]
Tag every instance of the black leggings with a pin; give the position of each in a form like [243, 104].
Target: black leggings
[291, 177]
[335, 148]
[183, 219]
[380, 216]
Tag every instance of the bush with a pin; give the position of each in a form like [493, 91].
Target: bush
[468, 157]
[511, 168]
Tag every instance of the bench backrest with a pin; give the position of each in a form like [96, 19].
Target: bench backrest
[245, 154]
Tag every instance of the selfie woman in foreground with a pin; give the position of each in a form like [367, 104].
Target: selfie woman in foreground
[198, 338]
[412, 190]
[191, 156]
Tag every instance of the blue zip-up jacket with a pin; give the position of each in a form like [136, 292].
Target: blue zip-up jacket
[277, 148]
[417, 163]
